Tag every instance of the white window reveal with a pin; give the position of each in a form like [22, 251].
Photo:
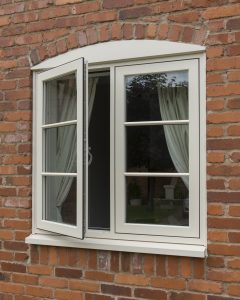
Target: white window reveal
[119, 148]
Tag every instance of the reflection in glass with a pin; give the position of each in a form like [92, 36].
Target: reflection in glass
[60, 99]
[147, 95]
[157, 200]
[60, 149]
[157, 148]
[60, 199]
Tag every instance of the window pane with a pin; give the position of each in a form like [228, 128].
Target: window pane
[157, 200]
[60, 99]
[60, 199]
[60, 149]
[157, 148]
[158, 96]
[99, 154]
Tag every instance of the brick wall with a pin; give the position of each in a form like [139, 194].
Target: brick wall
[33, 30]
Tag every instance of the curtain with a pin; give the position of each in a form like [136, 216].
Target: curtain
[68, 136]
[173, 102]
[92, 85]
[66, 141]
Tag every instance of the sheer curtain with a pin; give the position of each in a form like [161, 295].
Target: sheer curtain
[173, 102]
[66, 156]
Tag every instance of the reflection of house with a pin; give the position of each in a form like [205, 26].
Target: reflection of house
[116, 208]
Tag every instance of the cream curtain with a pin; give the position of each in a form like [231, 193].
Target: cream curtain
[68, 136]
[173, 102]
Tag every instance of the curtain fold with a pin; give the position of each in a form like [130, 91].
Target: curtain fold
[173, 102]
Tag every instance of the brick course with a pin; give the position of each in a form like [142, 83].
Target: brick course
[34, 30]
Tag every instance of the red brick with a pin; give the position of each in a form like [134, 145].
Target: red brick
[220, 249]
[68, 272]
[186, 296]
[223, 144]
[104, 16]
[215, 261]
[163, 31]
[13, 267]
[134, 12]
[97, 297]
[109, 4]
[25, 278]
[215, 131]
[216, 157]
[53, 282]
[15, 246]
[168, 283]
[198, 268]
[161, 265]
[100, 276]
[38, 291]
[151, 31]
[131, 279]
[215, 52]
[115, 290]
[4, 20]
[86, 286]
[66, 295]
[39, 269]
[234, 103]
[173, 265]
[234, 237]
[149, 264]
[62, 2]
[127, 31]
[8, 287]
[215, 209]
[224, 276]
[233, 24]
[234, 263]
[221, 12]
[185, 267]
[184, 17]
[150, 294]
[205, 286]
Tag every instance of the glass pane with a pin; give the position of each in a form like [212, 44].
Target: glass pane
[157, 148]
[60, 149]
[157, 200]
[99, 155]
[60, 199]
[157, 96]
[60, 99]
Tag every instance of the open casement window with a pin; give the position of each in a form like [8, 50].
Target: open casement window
[60, 101]
[119, 149]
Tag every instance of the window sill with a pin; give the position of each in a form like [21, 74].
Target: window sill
[118, 245]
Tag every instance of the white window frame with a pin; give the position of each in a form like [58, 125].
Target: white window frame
[115, 56]
[158, 230]
[61, 228]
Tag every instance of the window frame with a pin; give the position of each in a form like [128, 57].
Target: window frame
[158, 230]
[100, 239]
[54, 73]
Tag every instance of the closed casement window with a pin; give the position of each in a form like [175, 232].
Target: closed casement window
[119, 148]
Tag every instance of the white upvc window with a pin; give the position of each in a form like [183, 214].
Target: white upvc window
[119, 148]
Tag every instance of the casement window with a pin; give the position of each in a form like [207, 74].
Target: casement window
[119, 148]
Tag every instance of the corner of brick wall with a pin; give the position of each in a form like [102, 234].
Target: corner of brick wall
[34, 30]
